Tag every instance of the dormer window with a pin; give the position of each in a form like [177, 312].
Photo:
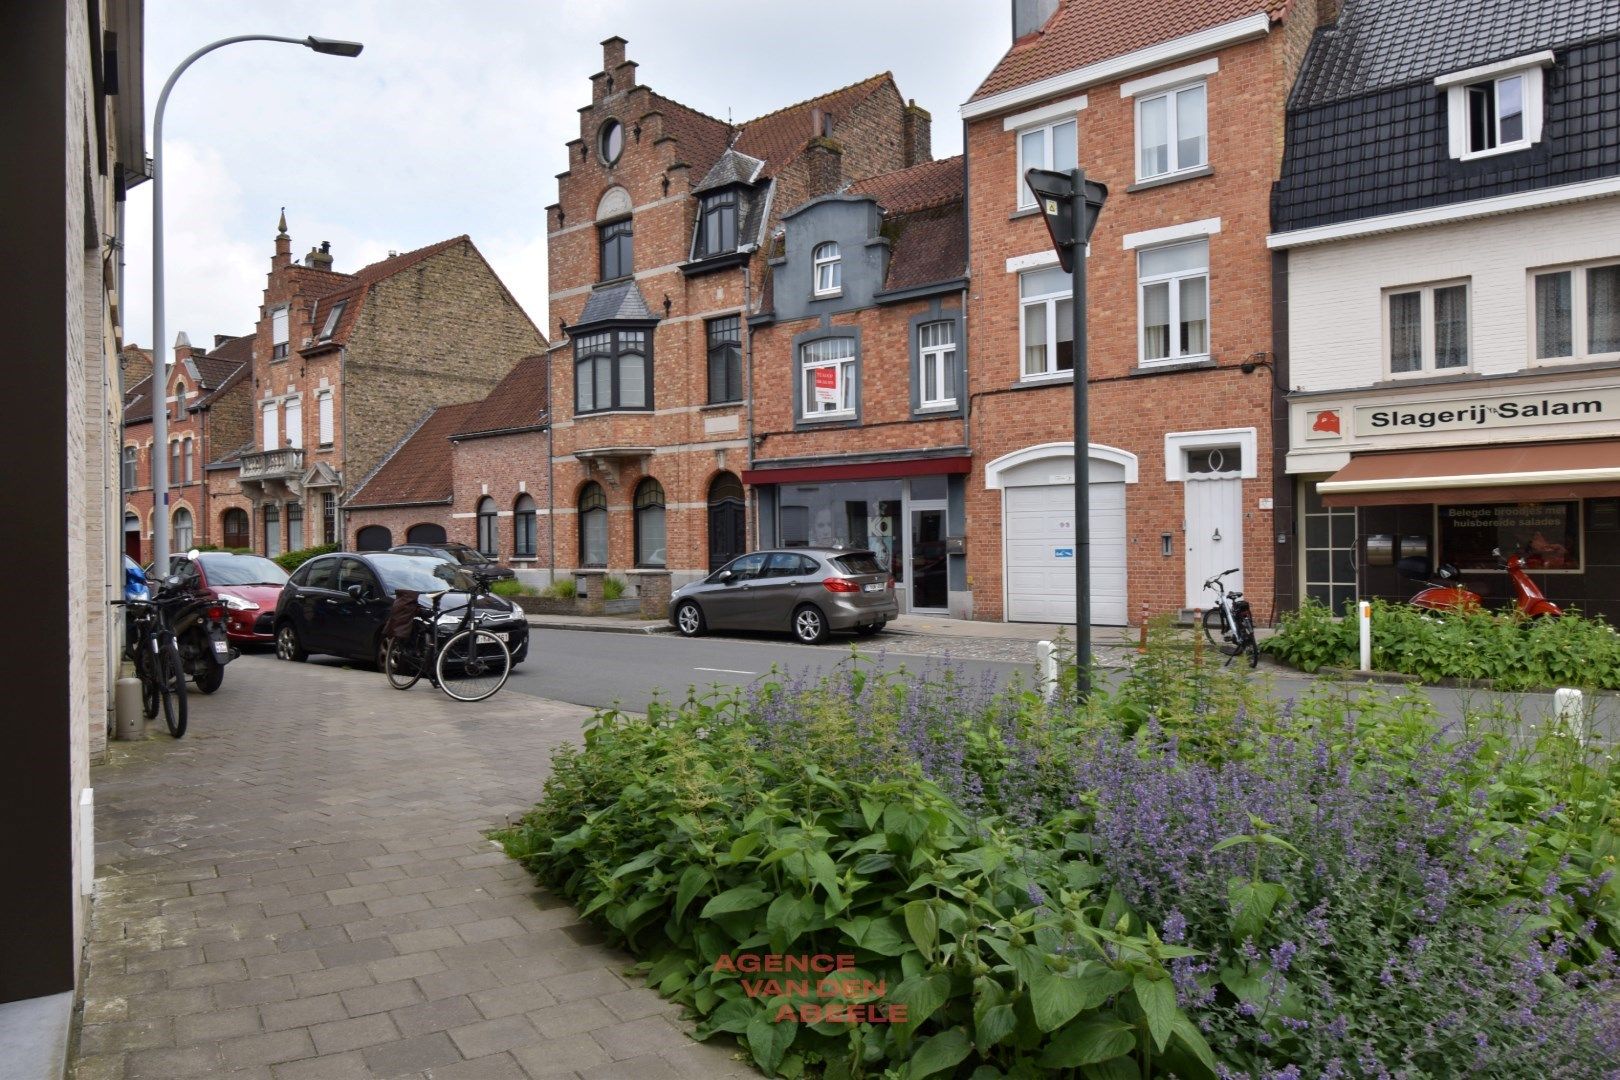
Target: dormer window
[330, 326]
[1495, 109]
[717, 224]
[829, 269]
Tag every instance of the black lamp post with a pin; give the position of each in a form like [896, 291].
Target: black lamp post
[1071, 204]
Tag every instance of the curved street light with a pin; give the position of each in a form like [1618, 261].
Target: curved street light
[160, 348]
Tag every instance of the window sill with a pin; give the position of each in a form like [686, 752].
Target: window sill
[637, 411]
[1171, 178]
[1046, 379]
[639, 571]
[828, 418]
[1497, 151]
[1024, 212]
[1169, 367]
[715, 405]
[937, 408]
[827, 295]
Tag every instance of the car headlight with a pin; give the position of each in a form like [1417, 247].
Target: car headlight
[236, 603]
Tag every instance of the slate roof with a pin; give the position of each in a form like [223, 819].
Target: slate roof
[519, 402]
[733, 167]
[933, 183]
[1083, 32]
[418, 469]
[777, 137]
[620, 301]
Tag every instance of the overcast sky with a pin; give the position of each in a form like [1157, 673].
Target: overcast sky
[454, 119]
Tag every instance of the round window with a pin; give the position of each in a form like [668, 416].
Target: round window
[611, 142]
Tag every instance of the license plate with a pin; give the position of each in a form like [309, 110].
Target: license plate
[221, 647]
[876, 586]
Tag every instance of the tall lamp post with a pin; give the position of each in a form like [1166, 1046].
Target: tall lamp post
[1070, 204]
[160, 348]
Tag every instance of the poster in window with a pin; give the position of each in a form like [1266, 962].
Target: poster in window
[827, 386]
[1546, 534]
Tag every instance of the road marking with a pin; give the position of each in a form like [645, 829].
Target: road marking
[724, 670]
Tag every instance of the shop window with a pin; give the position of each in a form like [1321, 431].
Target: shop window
[1546, 534]
[1046, 322]
[1577, 312]
[523, 531]
[1428, 329]
[853, 514]
[1173, 300]
[1330, 551]
[651, 542]
[827, 367]
[593, 526]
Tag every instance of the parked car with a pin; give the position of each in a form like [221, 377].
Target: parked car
[247, 585]
[460, 554]
[338, 603]
[805, 591]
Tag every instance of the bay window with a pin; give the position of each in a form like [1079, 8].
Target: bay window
[612, 370]
[1173, 299]
[827, 374]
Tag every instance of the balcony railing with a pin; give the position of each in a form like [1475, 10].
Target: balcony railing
[283, 464]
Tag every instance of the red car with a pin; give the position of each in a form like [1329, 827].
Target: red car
[247, 585]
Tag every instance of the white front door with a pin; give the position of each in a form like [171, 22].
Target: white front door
[1214, 528]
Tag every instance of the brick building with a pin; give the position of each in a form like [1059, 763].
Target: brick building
[342, 365]
[860, 404]
[209, 402]
[1181, 117]
[656, 261]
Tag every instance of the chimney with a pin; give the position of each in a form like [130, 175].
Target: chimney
[916, 134]
[220, 339]
[320, 258]
[826, 160]
[1029, 16]
[182, 347]
[283, 256]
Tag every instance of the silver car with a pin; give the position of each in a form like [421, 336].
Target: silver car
[807, 591]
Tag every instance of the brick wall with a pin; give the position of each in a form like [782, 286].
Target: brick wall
[503, 468]
[397, 520]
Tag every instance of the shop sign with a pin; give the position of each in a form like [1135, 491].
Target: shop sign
[1471, 413]
[1546, 534]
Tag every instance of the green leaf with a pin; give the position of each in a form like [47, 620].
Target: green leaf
[823, 872]
[692, 881]
[923, 924]
[640, 862]
[939, 1052]
[1188, 1035]
[876, 935]
[1055, 999]
[769, 1040]
[1087, 1043]
[742, 898]
[993, 1025]
[922, 995]
[1112, 1069]
[1157, 997]
[1252, 903]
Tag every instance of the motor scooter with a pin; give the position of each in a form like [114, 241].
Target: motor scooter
[1528, 599]
[198, 622]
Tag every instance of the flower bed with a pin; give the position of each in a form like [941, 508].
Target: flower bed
[1182, 880]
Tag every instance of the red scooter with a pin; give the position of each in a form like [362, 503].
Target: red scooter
[1528, 600]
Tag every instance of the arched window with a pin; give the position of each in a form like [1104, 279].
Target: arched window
[183, 533]
[174, 463]
[426, 532]
[828, 269]
[486, 527]
[728, 531]
[523, 528]
[132, 535]
[188, 452]
[129, 468]
[373, 538]
[593, 526]
[180, 400]
[651, 542]
[233, 528]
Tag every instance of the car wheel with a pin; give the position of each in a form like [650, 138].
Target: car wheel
[809, 625]
[380, 654]
[288, 647]
[689, 619]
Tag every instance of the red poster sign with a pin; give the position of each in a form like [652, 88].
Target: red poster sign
[827, 385]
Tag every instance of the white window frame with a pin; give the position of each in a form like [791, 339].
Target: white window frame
[1580, 334]
[295, 423]
[1457, 86]
[270, 425]
[1173, 281]
[1172, 130]
[942, 359]
[1026, 197]
[1050, 300]
[1426, 290]
[809, 408]
[324, 409]
[280, 332]
[828, 266]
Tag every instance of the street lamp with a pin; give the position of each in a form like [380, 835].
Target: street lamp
[1070, 205]
[160, 355]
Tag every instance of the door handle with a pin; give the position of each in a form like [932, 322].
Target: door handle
[1217, 536]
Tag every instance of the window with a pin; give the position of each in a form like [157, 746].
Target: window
[271, 426]
[1495, 109]
[233, 528]
[612, 371]
[487, 542]
[610, 142]
[593, 526]
[936, 358]
[295, 423]
[174, 464]
[1172, 132]
[1173, 287]
[183, 536]
[272, 530]
[717, 224]
[127, 478]
[1050, 146]
[373, 538]
[651, 544]
[1577, 312]
[323, 409]
[189, 456]
[725, 359]
[828, 377]
[829, 269]
[1330, 550]
[179, 402]
[295, 526]
[617, 257]
[523, 528]
[1046, 322]
[329, 533]
[1428, 329]
[332, 317]
[1547, 535]
[279, 335]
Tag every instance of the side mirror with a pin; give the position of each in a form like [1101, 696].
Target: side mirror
[725, 577]
[1446, 571]
[172, 581]
[192, 554]
[357, 591]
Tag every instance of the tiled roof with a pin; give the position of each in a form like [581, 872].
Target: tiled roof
[1383, 43]
[621, 301]
[213, 370]
[138, 402]
[234, 379]
[417, 470]
[1083, 32]
[353, 294]
[518, 402]
[927, 247]
[702, 139]
[933, 183]
[777, 137]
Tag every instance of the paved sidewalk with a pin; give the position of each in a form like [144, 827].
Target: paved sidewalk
[300, 889]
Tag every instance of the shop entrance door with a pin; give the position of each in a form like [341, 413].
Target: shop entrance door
[925, 548]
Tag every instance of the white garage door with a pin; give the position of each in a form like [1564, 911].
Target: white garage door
[1040, 553]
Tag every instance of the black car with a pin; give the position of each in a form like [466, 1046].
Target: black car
[338, 604]
[462, 555]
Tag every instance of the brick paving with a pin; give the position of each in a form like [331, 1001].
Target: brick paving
[300, 889]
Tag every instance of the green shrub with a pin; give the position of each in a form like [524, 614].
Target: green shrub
[292, 560]
[561, 589]
[512, 587]
[613, 587]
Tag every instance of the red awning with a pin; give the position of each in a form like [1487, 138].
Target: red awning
[866, 470]
[1531, 472]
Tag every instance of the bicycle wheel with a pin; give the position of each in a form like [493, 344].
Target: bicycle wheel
[1247, 639]
[403, 661]
[146, 672]
[1215, 630]
[172, 686]
[473, 665]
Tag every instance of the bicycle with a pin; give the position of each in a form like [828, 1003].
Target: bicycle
[156, 656]
[1229, 625]
[463, 659]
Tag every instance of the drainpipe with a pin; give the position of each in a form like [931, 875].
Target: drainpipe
[551, 469]
[338, 525]
[748, 375]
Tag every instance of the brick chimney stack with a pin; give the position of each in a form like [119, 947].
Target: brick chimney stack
[917, 134]
[283, 256]
[826, 156]
[320, 258]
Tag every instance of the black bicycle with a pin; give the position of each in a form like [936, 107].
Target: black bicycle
[461, 658]
[1229, 625]
[152, 649]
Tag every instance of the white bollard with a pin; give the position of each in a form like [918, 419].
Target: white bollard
[1046, 669]
[1364, 618]
[130, 721]
[1569, 712]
